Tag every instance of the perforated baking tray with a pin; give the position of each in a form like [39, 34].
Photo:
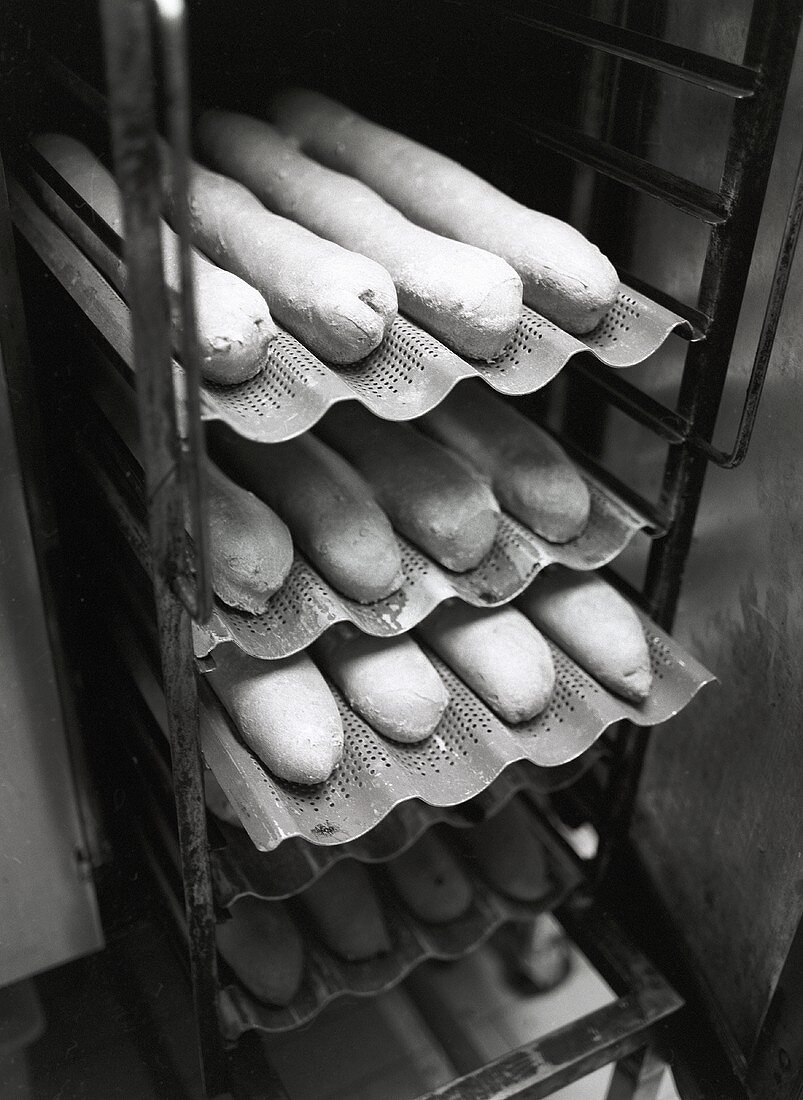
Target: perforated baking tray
[469, 750]
[240, 869]
[409, 374]
[306, 605]
[327, 977]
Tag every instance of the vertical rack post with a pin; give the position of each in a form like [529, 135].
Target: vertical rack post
[127, 45]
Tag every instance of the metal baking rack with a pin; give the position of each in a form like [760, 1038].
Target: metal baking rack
[756, 88]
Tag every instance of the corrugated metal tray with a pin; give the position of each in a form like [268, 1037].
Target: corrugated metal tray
[470, 749]
[409, 374]
[240, 869]
[306, 605]
[327, 977]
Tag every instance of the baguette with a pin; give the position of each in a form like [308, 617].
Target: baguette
[509, 854]
[233, 320]
[338, 303]
[345, 912]
[431, 881]
[387, 681]
[329, 508]
[531, 475]
[430, 495]
[262, 946]
[283, 711]
[596, 626]
[465, 296]
[250, 548]
[565, 277]
[497, 653]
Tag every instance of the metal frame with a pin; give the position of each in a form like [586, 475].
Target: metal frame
[757, 89]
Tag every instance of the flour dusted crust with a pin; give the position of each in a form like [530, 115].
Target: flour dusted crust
[431, 496]
[283, 711]
[498, 653]
[250, 548]
[565, 277]
[331, 512]
[596, 626]
[466, 296]
[338, 303]
[233, 320]
[389, 682]
[264, 949]
[530, 473]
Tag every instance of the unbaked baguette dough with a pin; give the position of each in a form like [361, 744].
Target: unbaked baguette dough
[430, 495]
[264, 949]
[565, 277]
[531, 475]
[509, 853]
[431, 881]
[387, 681]
[283, 711]
[596, 626]
[331, 512]
[464, 295]
[345, 912]
[498, 653]
[338, 303]
[233, 320]
[250, 548]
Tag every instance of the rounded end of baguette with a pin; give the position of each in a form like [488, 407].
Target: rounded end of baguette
[235, 328]
[407, 712]
[636, 685]
[464, 547]
[264, 949]
[487, 319]
[390, 683]
[552, 501]
[370, 571]
[574, 285]
[250, 547]
[358, 326]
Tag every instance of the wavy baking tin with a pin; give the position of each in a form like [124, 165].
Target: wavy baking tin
[326, 977]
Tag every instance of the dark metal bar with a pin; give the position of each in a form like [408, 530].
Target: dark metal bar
[771, 43]
[626, 168]
[126, 33]
[196, 595]
[736, 81]
[780, 279]
[664, 421]
[540, 1068]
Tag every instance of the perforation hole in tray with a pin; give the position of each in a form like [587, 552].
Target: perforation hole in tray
[616, 323]
[660, 655]
[283, 381]
[531, 330]
[399, 360]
